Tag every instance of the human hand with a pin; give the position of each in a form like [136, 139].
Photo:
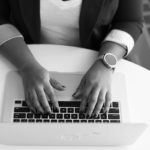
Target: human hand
[38, 85]
[95, 89]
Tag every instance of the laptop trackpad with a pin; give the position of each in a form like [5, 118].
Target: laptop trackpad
[70, 80]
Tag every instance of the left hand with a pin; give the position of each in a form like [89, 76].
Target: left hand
[95, 89]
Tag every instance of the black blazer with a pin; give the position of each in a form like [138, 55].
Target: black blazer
[97, 18]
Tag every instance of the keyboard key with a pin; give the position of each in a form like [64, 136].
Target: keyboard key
[55, 110]
[104, 116]
[74, 116]
[89, 117]
[113, 110]
[24, 104]
[46, 120]
[53, 121]
[21, 109]
[63, 110]
[30, 115]
[16, 120]
[98, 121]
[83, 121]
[115, 121]
[61, 120]
[23, 120]
[115, 104]
[37, 116]
[52, 116]
[113, 116]
[77, 110]
[75, 121]
[31, 120]
[106, 121]
[69, 103]
[17, 102]
[59, 116]
[93, 117]
[45, 116]
[67, 116]
[39, 120]
[19, 115]
[70, 110]
[82, 116]
[90, 121]
[68, 121]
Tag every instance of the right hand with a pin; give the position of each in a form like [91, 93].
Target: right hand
[38, 85]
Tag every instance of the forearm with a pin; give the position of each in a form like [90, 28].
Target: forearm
[111, 47]
[129, 18]
[18, 53]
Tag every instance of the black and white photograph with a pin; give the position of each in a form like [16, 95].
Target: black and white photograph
[74, 74]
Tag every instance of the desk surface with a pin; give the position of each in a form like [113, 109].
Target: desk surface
[56, 58]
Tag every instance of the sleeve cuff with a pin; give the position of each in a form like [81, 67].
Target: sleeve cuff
[122, 38]
[8, 32]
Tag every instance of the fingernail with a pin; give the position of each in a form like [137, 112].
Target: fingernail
[32, 111]
[81, 110]
[41, 112]
[96, 115]
[74, 94]
[106, 110]
[48, 111]
[88, 116]
[57, 109]
[93, 115]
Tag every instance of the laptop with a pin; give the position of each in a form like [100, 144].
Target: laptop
[19, 126]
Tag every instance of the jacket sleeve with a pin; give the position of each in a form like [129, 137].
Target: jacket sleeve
[7, 30]
[129, 18]
[4, 12]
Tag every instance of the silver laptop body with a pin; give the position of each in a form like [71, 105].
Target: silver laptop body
[122, 133]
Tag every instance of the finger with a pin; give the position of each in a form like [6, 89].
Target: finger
[28, 102]
[33, 102]
[92, 100]
[108, 101]
[57, 85]
[85, 93]
[51, 95]
[100, 102]
[36, 103]
[79, 89]
[83, 106]
[43, 100]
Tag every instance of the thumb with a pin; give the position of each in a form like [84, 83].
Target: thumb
[57, 85]
[79, 89]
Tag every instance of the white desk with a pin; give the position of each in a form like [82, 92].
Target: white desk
[71, 59]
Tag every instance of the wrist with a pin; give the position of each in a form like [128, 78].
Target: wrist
[110, 47]
[109, 60]
[103, 67]
[28, 67]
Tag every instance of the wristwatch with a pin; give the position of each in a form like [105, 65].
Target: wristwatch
[109, 60]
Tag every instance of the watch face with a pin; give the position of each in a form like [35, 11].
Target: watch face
[110, 60]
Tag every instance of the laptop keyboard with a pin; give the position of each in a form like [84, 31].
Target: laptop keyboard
[68, 113]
